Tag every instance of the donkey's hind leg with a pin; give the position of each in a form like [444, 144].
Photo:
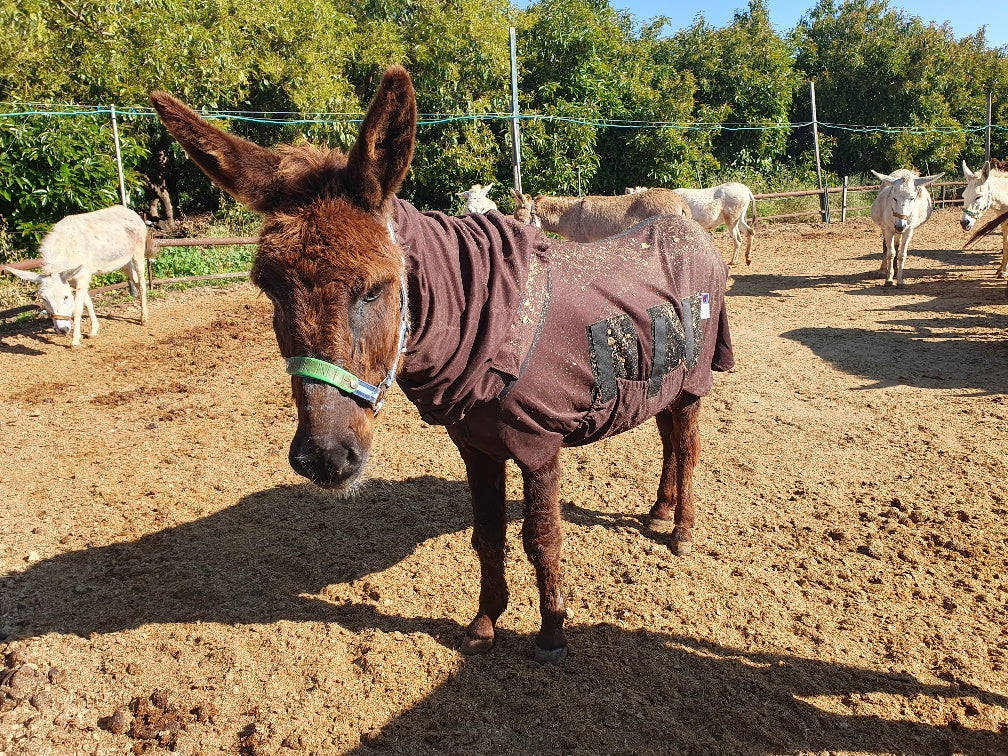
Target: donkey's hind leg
[486, 483]
[741, 234]
[736, 236]
[674, 511]
[746, 231]
[1002, 271]
[138, 285]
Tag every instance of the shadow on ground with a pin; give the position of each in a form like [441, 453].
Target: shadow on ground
[620, 691]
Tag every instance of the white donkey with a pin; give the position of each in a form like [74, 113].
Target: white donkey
[903, 204]
[477, 199]
[727, 204]
[986, 188]
[80, 246]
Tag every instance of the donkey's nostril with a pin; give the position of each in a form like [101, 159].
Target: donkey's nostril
[332, 466]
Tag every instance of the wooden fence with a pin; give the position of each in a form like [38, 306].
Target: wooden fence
[946, 193]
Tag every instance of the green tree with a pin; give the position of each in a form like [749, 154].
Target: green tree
[53, 167]
[584, 63]
[744, 75]
[878, 66]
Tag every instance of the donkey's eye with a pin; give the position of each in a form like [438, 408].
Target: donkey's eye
[373, 293]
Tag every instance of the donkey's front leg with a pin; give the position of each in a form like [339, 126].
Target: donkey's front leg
[89, 306]
[81, 297]
[486, 484]
[1002, 271]
[674, 510]
[889, 246]
[542, 537]
[901, 256]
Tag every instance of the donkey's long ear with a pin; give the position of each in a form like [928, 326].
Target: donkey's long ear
[241, 168]
[380, 157]
[925, 180]
[27, 275]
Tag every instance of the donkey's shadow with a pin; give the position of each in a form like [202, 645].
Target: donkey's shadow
[248, 563]
[255, 561]
[653, 693]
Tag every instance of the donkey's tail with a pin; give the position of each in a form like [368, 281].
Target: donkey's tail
[150, 250]
[755, 215]
[987, 228]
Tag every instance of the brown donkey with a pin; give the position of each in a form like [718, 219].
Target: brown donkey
[519, 344]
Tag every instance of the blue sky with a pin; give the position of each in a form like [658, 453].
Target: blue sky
[965, 18]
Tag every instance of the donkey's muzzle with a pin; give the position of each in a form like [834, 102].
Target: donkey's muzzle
[966, 222]
[335, 464]
[900, 224]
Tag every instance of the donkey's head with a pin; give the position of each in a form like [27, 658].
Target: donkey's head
[905, 189]
[976, 196]
[477, 199]
[328, 262]
[55, 295]
[525, 209]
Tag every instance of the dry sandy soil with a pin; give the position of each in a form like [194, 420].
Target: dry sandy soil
[167, 583]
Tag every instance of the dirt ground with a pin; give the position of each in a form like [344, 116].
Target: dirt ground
[168, 584]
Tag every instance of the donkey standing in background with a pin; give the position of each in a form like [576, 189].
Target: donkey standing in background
[727, 204]
[359, 279]
[903, 204]
[477, 199]
[595, 217]
[80, 246]
[986, 188]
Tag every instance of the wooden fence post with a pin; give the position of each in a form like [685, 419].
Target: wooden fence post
[843, 201]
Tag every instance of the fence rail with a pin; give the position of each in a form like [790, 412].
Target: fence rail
[945, 194]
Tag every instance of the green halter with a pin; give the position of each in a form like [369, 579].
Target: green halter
[343, 379]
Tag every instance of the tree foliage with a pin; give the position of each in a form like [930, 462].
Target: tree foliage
[745, 76]
[873, 64]
[52, 168]
[673, 102]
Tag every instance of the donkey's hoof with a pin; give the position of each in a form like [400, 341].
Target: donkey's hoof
[550, 656]
[682, 548]
[479, 636]
[888, 283]
[471, 645]
[658, 525]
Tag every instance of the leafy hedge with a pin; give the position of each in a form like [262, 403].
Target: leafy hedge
[51, 167]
